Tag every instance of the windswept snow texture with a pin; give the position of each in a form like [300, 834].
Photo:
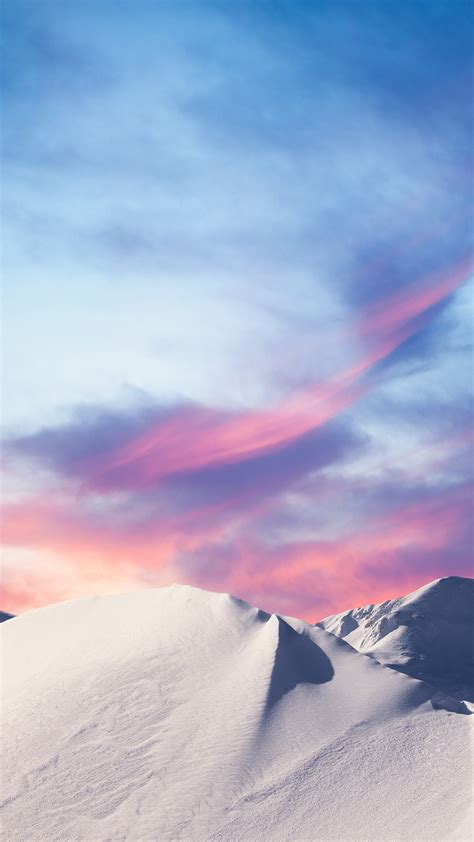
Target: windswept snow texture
[177, 714]
[428, 634]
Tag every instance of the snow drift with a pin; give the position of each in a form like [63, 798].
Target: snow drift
[177, 714]
[428, 634]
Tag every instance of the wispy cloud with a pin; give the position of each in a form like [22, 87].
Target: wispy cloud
[160, 486]
[238, 247]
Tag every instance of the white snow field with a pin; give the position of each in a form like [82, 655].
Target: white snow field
[178, 714]
[428, 634]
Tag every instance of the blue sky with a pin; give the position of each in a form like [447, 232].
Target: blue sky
[209, 210]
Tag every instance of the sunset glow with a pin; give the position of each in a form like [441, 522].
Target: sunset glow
[238, 322]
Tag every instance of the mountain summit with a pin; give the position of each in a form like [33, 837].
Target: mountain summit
[178, 714]
[427, 634]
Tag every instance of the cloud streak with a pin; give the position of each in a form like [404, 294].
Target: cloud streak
[153, 489]
[262, 263]
[196, 438]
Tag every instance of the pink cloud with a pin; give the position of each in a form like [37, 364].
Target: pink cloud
[195, 439]
[382, 558]
[390, 315]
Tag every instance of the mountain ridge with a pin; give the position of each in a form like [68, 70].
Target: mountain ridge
[427, 634]
[180, 714]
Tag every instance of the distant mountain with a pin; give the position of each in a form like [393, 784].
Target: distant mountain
[5, 616]
[428, 634]
[177, 714]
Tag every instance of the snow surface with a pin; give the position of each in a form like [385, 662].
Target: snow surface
[178, 714]
[428, 634]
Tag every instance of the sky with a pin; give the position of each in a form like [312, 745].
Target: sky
[237, 298]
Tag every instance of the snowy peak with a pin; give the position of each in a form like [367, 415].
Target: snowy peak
[297, 660]
[447, 598]
[178, 714]
[427, 634]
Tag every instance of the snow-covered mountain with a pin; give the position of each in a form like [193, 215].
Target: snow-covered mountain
[428, 634]
[178, 714]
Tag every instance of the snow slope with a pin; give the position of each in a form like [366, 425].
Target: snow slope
[178, 714]
[428, 634]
